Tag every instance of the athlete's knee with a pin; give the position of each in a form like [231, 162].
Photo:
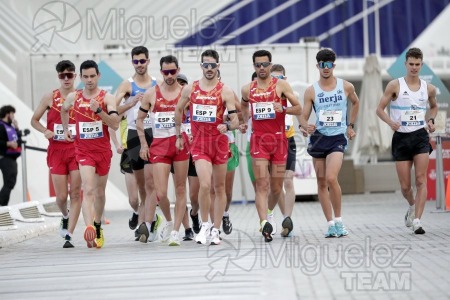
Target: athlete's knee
[288, 183]
[331, 179]
[205, 186]
[421, 181]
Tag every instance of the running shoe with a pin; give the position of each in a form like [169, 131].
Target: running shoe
[174, 239]
[340, 229]
[226, 225]
[195, 222]
[202, 236]
[417, 227]
[409, 217]
[288, 226]
[267, 232]
[271, 220]
[133, 221]
[68, 243]
[90, 235]
[188, 235]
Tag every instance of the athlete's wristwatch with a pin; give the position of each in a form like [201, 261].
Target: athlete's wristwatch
[179, 136]
[99, 110]
[432, 120]
[351, 125]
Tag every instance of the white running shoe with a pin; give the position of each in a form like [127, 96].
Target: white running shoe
[271, 220]
[174, 239]
[409, 217]
[202, 236]
[165, 233]
[417, 227]
[214, 237]
[153, 234]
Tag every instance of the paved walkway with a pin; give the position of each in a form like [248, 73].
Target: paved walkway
[380, 259]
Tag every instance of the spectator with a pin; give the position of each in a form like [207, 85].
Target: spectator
[10, 150]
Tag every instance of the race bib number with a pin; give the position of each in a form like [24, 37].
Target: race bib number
[90, 130]
[147, 120]
[164, 120]
[289, 122]
[204, 113]
[187, 128]
[263, 111]
[59, 131]
[330, 118]
[412, 118]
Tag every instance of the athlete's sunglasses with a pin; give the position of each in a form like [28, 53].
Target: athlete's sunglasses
[326, 64]
[171, 72]
[64, 75]
[206, 65]
[141, 61]
[263, 64]
[278, 76]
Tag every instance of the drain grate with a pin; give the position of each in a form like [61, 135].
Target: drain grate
[6, 221]
[31, 212]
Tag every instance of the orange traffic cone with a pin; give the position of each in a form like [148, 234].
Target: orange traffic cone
[447, 194]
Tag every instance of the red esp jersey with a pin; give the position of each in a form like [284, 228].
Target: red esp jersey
[206, 110]
[92, 132]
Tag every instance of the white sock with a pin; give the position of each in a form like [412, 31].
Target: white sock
[136, 212]
[412, 207]
[226, 214]
[149, 226]
[338, 219]
[66, 217]
[416, 220]
[330, 223]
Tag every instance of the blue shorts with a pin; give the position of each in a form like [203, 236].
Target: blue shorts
[321, 145]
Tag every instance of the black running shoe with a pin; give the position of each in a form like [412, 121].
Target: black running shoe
[67, 243]
[195, 222]
[133, 222]
[63, 227]
[137, 235]
[267, 232]
[287, 227]
[143, 233]
[226, 225]
[188, 235]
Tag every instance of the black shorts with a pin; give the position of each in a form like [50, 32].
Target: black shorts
[407, 145]
[125, 165]
[134, 146]
[321, 145]
[191, 170]
[292, 154]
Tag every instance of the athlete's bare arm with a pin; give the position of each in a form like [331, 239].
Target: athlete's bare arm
[68, 103]
[351, 95]
[390, 94]
[306, 113]
[46, 103]
[286, 90]
[228, 97]
[122, 92]
[245, 91]
[111, 116]
[183, 102]
[146, 104]
[433, 106]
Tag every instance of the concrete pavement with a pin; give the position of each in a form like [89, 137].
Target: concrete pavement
[380, 259]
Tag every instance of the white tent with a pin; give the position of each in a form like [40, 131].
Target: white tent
[373, 135]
